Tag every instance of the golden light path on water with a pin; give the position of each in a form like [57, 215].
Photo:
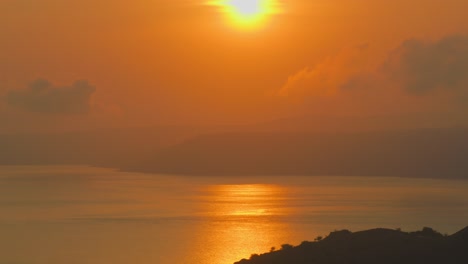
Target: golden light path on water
[243, 216]
[244, 200]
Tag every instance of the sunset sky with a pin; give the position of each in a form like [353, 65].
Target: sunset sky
[208, 131]
[69, 64]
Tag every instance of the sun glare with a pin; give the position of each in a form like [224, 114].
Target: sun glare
[247, 14]
[246, 8]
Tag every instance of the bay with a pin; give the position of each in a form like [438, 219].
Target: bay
[89, 215]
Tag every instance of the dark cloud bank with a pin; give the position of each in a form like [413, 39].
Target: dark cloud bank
[422, 67]
[417, 72]
[43, 97]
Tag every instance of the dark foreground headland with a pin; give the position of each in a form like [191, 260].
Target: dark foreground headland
[373, 246]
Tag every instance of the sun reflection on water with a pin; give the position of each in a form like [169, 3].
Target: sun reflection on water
[243, 217]
[245, 200]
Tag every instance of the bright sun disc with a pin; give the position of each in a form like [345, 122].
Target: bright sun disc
[247, 13]
[246, 8]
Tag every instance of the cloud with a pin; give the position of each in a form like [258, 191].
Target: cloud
[421, 67]
[416, 76]
[42, 97]
[326, 78]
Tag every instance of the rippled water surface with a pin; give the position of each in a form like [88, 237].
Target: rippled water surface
[85, 215]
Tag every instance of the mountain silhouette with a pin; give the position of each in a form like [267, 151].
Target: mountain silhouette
[383, 246]
[431, 153]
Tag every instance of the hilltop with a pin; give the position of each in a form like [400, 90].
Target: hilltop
[383, 246]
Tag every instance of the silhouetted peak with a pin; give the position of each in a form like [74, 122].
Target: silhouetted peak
[339, 235]
[462, 234]
[379, 231]
[427, 232]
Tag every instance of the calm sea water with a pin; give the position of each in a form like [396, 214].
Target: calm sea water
[85, 215]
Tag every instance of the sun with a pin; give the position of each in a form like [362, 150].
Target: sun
[247, 14]
[246, 9]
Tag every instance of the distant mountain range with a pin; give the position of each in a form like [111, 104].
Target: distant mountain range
[382, 246]
[435, 153]
[261, 150]
[105, 147]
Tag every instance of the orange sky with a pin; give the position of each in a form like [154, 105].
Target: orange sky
[183, 62]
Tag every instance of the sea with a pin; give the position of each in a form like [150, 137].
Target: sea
[91, 215]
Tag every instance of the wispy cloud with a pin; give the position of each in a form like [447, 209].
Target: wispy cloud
[43, 97]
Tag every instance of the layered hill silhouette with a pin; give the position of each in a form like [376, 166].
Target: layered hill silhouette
[271, 149]
[108, 147]
[435, 153]
[383, 246]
